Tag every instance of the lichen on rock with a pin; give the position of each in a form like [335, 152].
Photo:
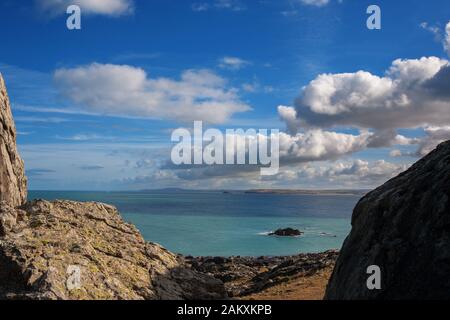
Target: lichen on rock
[40, 241]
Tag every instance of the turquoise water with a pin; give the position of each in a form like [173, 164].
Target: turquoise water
[218, 224]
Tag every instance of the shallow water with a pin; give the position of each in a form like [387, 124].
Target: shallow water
[218, 224]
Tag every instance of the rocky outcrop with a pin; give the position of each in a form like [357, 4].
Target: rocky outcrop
[45, 246]
[245, 276]
[288, 232]
[404, 228]
[13, 184]
[70, 250]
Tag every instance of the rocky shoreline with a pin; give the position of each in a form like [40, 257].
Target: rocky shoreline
[245, 276]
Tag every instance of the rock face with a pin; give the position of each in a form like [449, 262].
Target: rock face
[404, 228]
[13, 184]
[42, 243]
[288, 232]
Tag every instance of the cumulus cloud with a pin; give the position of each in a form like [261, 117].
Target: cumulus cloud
[377, 139]
[313, 146]
[232, 63]
[319, 145]
[412, 93]
[352, 174]
[100, 7]
[128, 91]
[434, 136]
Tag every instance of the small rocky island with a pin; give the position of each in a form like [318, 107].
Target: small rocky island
[288, 232]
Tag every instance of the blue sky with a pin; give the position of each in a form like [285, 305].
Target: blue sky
[82, 126]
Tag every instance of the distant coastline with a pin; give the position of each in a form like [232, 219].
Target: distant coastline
[319, 192]
[309, 192]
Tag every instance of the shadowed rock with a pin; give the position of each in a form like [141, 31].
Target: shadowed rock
[404, 228]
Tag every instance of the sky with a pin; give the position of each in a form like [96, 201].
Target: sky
[95, 108]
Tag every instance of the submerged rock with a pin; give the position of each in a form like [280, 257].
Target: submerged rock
[13, 183]
[403, 227]
[288, 232]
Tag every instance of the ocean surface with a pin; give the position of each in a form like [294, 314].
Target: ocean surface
[219, 224]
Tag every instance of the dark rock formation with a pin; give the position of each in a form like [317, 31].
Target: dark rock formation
[247, 275]
[13, 184]
[288, 232]
[404, 228]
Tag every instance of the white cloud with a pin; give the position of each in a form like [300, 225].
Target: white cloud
[433, 29]
[395, 153]
[128, 91]
[316, 3]
[413, 93]
[232, 63]
[434, 136]
[319, 145]
[439, 35]
[447, 39]
[100, 7]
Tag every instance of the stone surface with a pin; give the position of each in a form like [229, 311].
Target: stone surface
[404, 228]
[40, 241]
[13, 184]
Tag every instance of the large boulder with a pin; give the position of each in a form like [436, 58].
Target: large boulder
[45, 247]
[404, 228]
[13, 184]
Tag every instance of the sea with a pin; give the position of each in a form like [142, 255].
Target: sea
[216, 223]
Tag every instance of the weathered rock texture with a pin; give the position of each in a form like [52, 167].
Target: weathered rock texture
[13, 184]
[404, 228]
[245, 276]
[40, 241]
